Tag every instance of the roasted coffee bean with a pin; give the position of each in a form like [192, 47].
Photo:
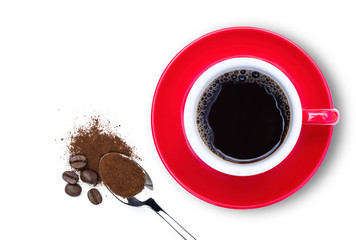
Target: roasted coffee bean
[89, 176]
[78, 161]
[70, 177]
[94, 196]
[73, 190]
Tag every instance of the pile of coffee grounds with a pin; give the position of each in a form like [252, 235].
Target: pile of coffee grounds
[94, 140]
[87, 144]
[122, 175]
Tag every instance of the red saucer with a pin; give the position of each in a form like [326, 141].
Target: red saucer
[167, 118]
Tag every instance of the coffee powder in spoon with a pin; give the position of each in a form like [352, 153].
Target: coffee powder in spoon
[122, 175]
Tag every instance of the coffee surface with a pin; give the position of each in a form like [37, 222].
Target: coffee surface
[243, 116]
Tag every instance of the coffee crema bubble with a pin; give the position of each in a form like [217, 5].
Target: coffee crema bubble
[243, 116]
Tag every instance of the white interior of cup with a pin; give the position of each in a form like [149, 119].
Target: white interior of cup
[238, 169]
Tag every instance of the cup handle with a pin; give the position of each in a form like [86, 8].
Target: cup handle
[320, 116]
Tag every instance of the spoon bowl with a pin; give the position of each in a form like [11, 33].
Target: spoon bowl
[145, 198]
[139, 199]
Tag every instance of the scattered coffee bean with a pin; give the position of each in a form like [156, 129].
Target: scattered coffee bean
[89, 176]
[70, 177]
[94, 196]
[78, 161]
[243, 71]
[73, 190]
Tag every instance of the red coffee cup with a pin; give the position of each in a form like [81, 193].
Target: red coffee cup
[317, 114]
[298, 116]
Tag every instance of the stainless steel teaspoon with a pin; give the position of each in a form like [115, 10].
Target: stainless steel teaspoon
[145, 198]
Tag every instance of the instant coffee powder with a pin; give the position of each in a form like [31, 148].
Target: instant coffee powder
[122, 175]
[87, 144]
[95, 139]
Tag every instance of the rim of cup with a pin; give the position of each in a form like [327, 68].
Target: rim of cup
[211, 159]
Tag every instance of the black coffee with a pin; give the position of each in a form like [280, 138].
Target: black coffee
[243, 116]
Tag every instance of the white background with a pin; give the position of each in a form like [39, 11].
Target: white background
[61, 60]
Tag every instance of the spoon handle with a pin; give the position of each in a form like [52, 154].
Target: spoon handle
[178, 228]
